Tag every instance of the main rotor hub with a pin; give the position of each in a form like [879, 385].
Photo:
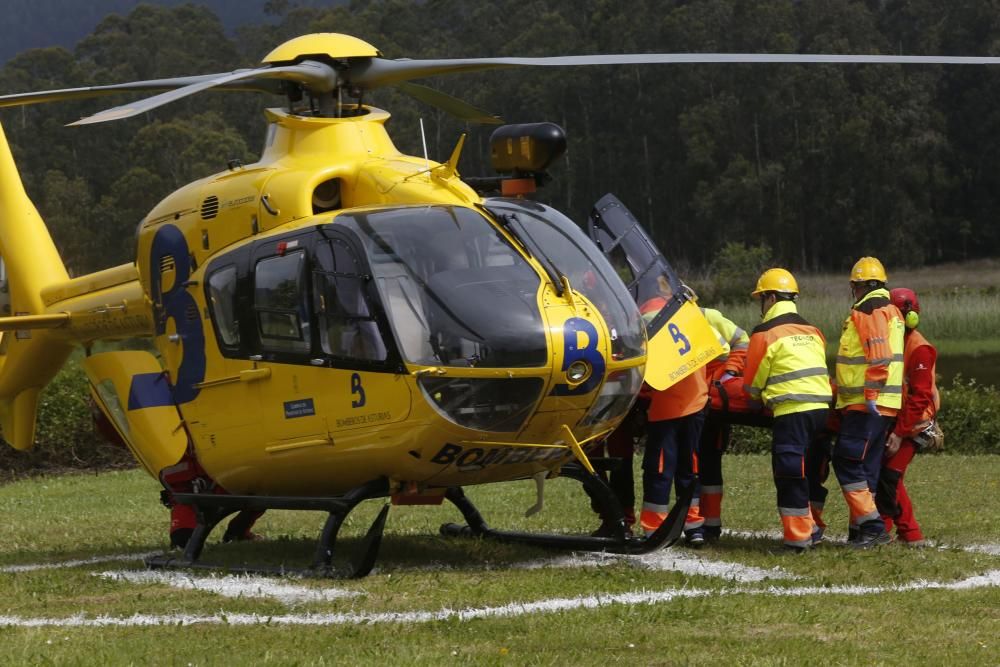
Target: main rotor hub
[322, 44]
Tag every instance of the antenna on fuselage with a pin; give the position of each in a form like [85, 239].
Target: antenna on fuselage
[423, 138]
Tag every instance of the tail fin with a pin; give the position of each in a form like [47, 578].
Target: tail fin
[29, 262]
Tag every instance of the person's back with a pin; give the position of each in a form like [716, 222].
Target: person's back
[869, 393]
[786, 370]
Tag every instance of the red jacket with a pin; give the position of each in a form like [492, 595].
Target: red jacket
[920, 395]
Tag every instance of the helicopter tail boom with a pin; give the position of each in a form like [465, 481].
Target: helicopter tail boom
[29, 262]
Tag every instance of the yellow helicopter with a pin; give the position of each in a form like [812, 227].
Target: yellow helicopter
[339, 322]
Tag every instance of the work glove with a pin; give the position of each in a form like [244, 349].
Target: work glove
[872, 407]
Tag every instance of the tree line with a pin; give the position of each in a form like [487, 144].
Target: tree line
[819, 163]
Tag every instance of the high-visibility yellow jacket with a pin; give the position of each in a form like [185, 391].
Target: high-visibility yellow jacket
[786, 363]
[734, 338]
[870, 357]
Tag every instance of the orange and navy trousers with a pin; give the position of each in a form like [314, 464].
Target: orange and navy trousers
[792, 435]
[670, 459]
[857, 456]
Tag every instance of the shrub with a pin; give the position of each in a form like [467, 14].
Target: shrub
[750, 440]
[65, 437]
[969, 417]
[735, 271]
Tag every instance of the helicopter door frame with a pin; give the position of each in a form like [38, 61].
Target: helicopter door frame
[296, 344]
[630, 249]
[329, 242]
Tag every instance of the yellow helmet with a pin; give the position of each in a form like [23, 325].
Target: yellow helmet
[776, 280]
[868, 268]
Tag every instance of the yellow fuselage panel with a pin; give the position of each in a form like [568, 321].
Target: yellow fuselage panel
[129, 387]
[304, 430]
[300, 154]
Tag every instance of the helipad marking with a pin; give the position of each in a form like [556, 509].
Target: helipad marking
[233, 586]
[989, 579]
[990, 549]
[668, 560]
[96, 560]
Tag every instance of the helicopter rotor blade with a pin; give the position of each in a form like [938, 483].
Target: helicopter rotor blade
[382, 72]
[374, 72]
[317, 77]
[40, 97]
[449, 104]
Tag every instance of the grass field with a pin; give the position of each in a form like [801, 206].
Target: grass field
[433, 600]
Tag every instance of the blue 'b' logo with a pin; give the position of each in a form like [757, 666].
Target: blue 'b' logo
[177, 304]
[675, 333]
[572, 352]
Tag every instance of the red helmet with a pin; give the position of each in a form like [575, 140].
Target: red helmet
[905, 299]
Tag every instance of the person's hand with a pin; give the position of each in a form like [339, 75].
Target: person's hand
[892, 444]
[872, 407]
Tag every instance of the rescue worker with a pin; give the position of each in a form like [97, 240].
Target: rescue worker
[919, 411]
[722, 372]
[786, 370]
[675, 419]
[869, 393]
[620, 444]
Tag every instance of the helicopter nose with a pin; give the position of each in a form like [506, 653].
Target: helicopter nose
[583, 362]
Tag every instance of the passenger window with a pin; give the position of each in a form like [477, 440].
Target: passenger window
[346, 325]
[279, 300]
[222, 300]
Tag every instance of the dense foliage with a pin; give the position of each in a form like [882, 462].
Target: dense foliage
[820, 163]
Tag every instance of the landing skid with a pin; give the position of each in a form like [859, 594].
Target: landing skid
[213, 508]
[620, 542]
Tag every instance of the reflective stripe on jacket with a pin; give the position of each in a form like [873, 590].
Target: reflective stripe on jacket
[786, 363]
[735, 340]
[870, 357]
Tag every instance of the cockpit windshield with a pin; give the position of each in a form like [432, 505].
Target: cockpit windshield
[455, 291]
[568, 250]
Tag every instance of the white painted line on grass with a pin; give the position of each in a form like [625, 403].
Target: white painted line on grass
[990, 549]
[670, 560]
[96, 560]
[666, 560]
[989, 579]
[233, 586]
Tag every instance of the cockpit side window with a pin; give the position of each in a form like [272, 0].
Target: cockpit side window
[454, 290]
[222, 305]
[347, 327]
[280, 303]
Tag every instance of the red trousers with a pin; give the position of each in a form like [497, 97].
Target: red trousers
[891, 498]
